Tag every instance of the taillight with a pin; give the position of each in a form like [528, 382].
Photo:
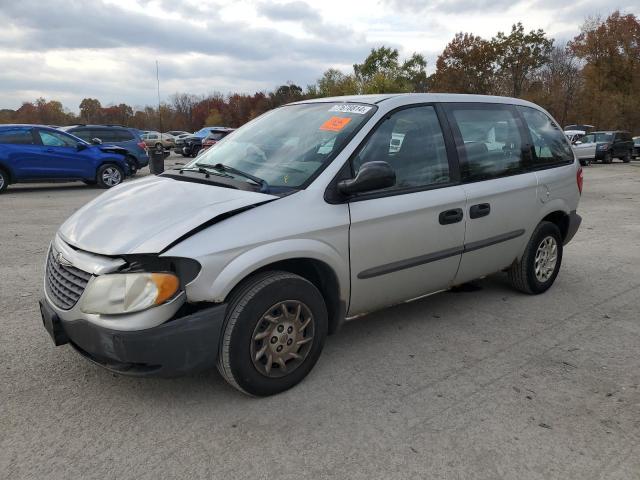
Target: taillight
[579, 179]
[142, 145]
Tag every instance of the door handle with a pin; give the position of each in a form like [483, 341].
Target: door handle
[451, 216]
[50, 150]
[479, 210]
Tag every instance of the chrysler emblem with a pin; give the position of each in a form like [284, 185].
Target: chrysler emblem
[62, 261]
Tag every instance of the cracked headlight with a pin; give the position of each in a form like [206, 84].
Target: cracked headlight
[128, 292]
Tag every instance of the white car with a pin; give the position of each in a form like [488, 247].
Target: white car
[584, 149]
[310, 214]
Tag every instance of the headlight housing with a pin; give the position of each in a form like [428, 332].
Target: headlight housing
[119, 293]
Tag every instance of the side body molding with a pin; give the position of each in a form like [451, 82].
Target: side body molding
[246, 263]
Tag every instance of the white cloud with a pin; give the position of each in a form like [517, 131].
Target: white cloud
[107, 48]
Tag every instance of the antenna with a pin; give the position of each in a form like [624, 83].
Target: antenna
[159, 112]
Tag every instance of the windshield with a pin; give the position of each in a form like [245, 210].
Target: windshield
[288, 145]
[603, 137]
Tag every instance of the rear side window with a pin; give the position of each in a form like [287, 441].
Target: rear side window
[16, 136]
[106, 135]
[122, 135]
[489, 137]
[83, 133]
[549, 145]
[411, 141]
[626, 136]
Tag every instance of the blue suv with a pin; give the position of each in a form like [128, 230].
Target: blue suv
[34, 153]
[127, 138]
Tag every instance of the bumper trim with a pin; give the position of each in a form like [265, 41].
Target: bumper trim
[574, 223]
[173, 348]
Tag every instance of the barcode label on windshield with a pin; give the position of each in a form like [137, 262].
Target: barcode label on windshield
[350, 108]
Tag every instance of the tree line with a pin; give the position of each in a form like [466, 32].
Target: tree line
[592, 79]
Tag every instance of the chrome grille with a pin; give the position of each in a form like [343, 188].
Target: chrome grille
[64, 283]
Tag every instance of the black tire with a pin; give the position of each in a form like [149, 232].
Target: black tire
[103, 172]
[184, 154]
[133, 166]
[254, 298]
[627, 157]
[158, 146]
[585, 162]
[522, 274]
[607, 158]
[4, 180]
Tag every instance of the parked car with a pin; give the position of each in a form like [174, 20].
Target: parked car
[37, 153]
[175, 133]
[613, 144]
[213, 138]
[127, 138]
[190, 146]
[154, 139]
[305, 216]
[636, 147]
[584, 147]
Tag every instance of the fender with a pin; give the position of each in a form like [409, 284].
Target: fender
[250, 261]
[10, 172]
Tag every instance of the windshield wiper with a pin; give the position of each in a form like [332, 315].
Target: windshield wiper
[264, 186]
[204, 170]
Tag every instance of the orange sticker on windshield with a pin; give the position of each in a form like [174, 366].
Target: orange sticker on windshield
[335, 124]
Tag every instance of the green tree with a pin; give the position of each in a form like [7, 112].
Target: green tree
[90, 110]
[519, 55]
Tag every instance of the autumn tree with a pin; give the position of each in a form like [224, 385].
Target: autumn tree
[467, 65]
[611, 52]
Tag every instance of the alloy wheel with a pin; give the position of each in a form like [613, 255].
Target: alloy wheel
[111, 176]
[546, 259]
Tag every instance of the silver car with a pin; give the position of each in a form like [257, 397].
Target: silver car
[313, 213]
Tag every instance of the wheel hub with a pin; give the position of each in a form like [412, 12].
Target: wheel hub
[282, 338]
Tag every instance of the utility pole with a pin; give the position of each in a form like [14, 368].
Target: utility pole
[159, 112]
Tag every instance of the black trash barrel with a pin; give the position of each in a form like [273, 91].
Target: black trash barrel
[156, 160]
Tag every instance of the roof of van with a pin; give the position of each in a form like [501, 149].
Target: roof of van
[419, 98]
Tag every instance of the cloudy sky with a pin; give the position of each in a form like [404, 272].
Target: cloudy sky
[71, 49]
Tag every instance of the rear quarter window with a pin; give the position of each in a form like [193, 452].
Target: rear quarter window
[549, 145]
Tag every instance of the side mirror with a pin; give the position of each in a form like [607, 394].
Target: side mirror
[372, 176]
[577, 142]
[81, 146]
[96, 141]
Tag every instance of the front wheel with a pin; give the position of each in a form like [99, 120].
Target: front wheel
[109, 175]
[275, 328]
[607, 158]
[538, 268]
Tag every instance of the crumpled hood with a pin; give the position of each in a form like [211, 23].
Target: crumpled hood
[112, 149]
[147, 215]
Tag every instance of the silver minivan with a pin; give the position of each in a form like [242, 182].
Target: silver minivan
[315, 212]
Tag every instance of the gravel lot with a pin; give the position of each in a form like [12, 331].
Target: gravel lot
[480, 384]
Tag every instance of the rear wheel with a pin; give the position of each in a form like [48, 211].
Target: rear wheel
[109, 175]
[4, 180]
[275, 328]
[539, 266]
[627, 157]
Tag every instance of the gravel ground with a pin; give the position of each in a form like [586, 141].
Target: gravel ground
[480, 384]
